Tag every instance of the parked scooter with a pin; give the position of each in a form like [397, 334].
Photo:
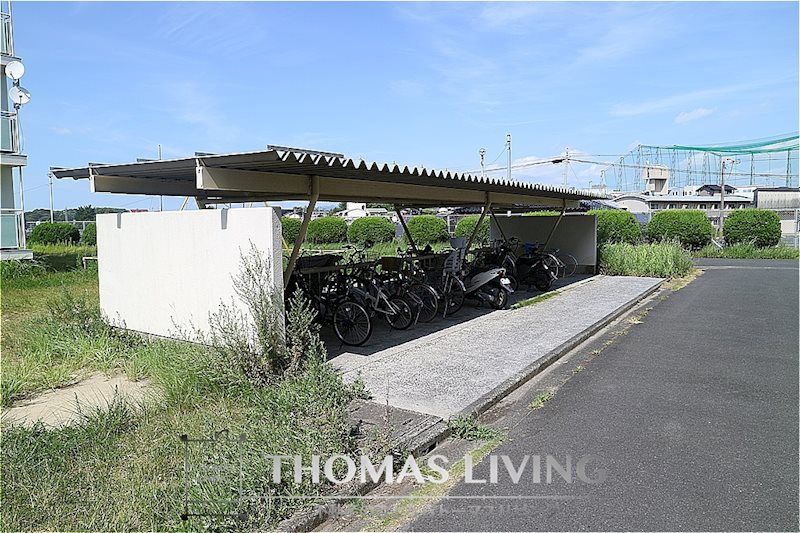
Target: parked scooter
[485, 285]
[533, 269]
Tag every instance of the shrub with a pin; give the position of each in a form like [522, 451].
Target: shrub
[689, 226]
[251, 342]
[327, 229]
[89, 236]
[663, 260]
[427, 229]
[616, 225]
[290, 227]
[21, 269]
[370, 229]
[54, 233]
[466, 226]
[758, 226]
[748, 251]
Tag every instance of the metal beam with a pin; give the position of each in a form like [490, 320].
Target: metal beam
[292, 186]
[405, 230]
[301, 235]
[499, 227]
[487, 206]
[555, 226]
[127, 185]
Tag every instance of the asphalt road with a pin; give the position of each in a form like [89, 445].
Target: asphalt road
[693, 414]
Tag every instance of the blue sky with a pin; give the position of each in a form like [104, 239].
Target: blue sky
[415, 83]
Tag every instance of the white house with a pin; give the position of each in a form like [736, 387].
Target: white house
[354, 210]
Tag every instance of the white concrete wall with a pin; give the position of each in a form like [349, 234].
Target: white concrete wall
[575, 234]
[165, 272]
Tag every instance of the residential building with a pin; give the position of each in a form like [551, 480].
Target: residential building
[354, 210]
[12, 160]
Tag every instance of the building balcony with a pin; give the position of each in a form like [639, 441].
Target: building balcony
[12, 233]
[6, 35]
[9, 132]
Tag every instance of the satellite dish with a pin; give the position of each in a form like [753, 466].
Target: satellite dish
[19, 95]
[15, 70]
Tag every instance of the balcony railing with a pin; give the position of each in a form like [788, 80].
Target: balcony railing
[12, 234]
[9, 132]
[6, 34]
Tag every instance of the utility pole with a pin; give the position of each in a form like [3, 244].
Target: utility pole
[566, 165]
[482, 153]
[50, 178]
[722, 194]
[508, 144]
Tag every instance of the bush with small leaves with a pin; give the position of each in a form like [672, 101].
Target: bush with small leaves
[89, 236]
[54, 233]
[466, 226]
[758, 226]
[427, 229]
[616, 225]
[327, 229]
[370, 230]
[689, 226]
[290, 227]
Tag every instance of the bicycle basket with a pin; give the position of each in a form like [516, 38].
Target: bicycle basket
[315, 261]
[391, 264]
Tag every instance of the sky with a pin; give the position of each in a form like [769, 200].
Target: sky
[413, 83]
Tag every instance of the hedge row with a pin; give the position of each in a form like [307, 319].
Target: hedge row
[327, 229]
[370, 230]
[615, 226]
[89, 235]
[757, 226]
[689, 226]
[466, 226]
[427, 229]
[54, 233]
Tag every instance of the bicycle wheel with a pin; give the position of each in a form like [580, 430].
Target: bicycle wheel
[429, 299]
[570, 264]
[352, 324]
[453, 296]
[554, 264]
[542, 280]
[400, 315]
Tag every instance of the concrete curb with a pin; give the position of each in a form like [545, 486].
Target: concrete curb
[419, 444]
[431, 436]
[485, 402]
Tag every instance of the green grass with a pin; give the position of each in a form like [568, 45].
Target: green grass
[661, 260]
[748, 251]
[62, 256]
[468, 428]
[542, 399]
[121, 468]
[534, 300]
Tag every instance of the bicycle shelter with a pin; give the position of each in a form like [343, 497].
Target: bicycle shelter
[277, 175]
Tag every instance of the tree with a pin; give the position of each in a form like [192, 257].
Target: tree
[85, 212]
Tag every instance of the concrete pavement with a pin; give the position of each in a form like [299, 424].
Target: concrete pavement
[444, 373]
[693, 412]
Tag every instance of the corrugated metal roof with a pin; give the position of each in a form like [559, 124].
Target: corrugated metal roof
[182, 173]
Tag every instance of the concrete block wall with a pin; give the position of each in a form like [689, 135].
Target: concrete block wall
[164, 272]
[575, 234]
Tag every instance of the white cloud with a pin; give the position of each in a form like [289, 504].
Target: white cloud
[688, 116]
[60, 130]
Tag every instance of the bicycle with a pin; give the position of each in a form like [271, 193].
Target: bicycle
[331, 298]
